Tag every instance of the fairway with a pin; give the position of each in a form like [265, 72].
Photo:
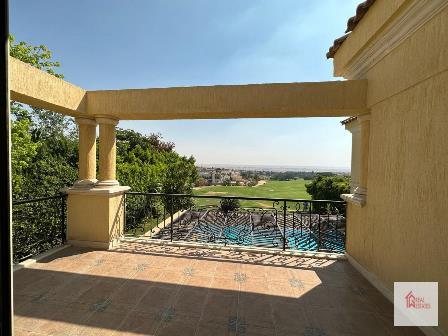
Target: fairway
[272, 189]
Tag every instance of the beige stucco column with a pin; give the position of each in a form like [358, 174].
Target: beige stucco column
[364, 125]
[354, 128]
[359, 127]
[87, 153]
[108, 152]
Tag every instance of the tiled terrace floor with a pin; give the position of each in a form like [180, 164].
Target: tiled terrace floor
[142, 289]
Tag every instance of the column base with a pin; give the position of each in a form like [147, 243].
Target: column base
[107, 183]
[95, 217]
[85, 184]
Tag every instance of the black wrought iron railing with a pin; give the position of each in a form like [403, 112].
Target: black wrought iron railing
[287, 224]
[38, 225]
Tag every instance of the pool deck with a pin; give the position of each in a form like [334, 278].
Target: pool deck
[147, 289]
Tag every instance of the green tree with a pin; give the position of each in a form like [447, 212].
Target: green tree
[45, 159]
[23, 151]
[328, 187]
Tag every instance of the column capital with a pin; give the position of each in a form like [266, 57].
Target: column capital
[106, 120]
[85, 121]
[364, 117]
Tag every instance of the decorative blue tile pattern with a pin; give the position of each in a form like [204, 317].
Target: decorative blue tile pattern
[189, 271]
[314, 331]
[100, 306]
[166, 314]
[296, 283]
[98, 262]
[141, 267]
[236, 325]
[240, 277]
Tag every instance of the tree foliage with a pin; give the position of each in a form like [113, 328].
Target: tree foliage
[328, 187]
[44, 143]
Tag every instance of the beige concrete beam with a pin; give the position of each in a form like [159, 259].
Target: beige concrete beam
[320, 99]
[32, 86]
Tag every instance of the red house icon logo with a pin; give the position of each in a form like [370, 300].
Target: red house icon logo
[410, 300]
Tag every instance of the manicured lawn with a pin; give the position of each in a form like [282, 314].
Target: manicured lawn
[272, 189]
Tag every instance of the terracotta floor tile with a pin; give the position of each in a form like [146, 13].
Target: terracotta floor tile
[138, 324]
[256, 311]
[255, 272]
[182, 327]
[289, 317]
[145, 289]
[101, 290]
[21, 332]
[170, 277]
[156, 298]
[34, 314]
[225, 284]
[253, 330]
[205, 267]
[198, 281]
[73, 289]
[102, 323]
[226, 269]
[304, 275]
[150, 274]
[190, 302]
[214, 329]
[67, 321]
[130, 293]
[257, 285]
[220, 307]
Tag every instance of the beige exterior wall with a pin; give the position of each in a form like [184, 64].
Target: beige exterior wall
[401, 233]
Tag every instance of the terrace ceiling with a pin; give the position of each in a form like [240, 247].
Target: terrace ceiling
[318, 99]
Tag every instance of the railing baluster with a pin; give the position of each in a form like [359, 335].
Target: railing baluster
[284, 225]
[171, 215]
[319, 234]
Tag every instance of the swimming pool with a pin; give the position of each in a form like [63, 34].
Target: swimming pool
[259, 228]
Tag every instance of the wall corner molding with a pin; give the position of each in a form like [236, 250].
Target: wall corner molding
[415, 16]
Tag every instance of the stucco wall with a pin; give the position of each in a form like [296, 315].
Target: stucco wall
[402, 232]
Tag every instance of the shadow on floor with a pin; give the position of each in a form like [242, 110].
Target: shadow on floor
[158, 290]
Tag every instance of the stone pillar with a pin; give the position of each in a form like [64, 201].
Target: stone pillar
[87, 153]
[108, 152]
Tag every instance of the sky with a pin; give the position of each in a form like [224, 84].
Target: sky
[111, 44]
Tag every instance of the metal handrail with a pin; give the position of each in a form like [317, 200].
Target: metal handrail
[244, 198]
[39, 199]
[318, 210]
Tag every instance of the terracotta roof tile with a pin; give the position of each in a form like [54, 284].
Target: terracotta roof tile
[361, 10]
[348, 120]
